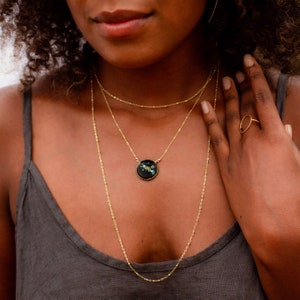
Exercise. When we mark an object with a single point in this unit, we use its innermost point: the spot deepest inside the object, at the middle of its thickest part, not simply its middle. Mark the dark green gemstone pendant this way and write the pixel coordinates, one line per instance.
(147, 169)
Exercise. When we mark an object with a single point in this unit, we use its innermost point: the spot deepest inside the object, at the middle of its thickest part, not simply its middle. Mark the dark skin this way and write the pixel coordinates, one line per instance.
(260, 157)
(64, 141)
(274, 242)
(150, 243)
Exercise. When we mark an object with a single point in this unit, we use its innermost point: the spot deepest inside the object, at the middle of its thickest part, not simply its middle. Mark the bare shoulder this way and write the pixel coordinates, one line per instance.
(292, 107)
(10, 99)
(10, 130)
(10, 159)
(11, 166)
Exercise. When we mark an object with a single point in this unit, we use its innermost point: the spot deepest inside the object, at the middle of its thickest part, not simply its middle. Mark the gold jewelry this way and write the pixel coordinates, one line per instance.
(147, 106)
(116, 227)
(147, 169)
(213, 12)
(245, 126)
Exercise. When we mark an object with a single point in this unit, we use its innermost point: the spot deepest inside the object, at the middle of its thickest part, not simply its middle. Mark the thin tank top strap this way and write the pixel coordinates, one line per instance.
(281, 93)
(27, 125)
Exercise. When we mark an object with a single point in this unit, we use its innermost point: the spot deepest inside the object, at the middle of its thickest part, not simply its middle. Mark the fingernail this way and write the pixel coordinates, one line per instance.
(205, 108)
(248, 60)
(240, 77)
(289, 129)
(226, 83)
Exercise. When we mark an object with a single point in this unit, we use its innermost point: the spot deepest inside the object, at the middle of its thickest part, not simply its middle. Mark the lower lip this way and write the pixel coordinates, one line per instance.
(121, 29)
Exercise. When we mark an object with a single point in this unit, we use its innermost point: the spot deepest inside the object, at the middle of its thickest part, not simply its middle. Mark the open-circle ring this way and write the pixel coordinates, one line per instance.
(246, 123)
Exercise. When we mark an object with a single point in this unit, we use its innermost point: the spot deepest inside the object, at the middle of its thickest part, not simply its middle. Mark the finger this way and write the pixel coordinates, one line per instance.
(232, 110)
(218, 138)
(247, 106)
(247, 102)
(264, 101)
(289, 130)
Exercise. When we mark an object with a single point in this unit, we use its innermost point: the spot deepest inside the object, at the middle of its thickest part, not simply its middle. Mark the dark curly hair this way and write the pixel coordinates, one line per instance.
(269, 29)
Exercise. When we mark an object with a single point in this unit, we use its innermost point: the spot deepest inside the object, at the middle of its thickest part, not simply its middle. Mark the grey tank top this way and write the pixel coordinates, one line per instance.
(54, 262)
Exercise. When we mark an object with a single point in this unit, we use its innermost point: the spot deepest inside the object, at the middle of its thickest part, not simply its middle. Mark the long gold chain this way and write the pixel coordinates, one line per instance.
(105, 91)
(148, 169)
(108, 199)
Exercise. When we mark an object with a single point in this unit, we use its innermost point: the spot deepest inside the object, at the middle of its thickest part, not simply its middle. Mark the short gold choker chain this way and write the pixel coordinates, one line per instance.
(108, 199)
(147, 169)
(105, 91)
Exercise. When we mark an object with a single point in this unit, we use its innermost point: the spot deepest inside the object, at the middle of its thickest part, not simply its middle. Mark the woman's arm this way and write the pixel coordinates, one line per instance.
(11, 157)
(260, 169)
(7, 247)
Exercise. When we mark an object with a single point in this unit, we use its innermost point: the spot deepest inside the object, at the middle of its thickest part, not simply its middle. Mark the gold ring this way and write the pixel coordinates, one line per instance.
(246, 122)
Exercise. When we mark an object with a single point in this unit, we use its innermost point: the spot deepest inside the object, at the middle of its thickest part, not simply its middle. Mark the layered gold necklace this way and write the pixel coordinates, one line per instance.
(108, 198)
(105, 91)
(147, 169)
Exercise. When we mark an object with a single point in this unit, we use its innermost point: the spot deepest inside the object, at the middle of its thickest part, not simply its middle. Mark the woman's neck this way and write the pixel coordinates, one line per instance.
(173, 78)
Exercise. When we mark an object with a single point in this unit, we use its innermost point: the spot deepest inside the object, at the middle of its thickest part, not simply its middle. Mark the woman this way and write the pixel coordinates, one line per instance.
(118, 194)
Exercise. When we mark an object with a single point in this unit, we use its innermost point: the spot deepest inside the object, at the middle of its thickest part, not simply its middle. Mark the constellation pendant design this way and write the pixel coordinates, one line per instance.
(147, 169)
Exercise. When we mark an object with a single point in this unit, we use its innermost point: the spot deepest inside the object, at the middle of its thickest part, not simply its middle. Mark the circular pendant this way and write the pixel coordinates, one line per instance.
(147, 169)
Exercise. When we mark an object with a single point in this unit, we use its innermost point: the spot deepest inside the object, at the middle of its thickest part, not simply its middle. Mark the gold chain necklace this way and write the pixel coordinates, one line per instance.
(147, 106)
(147, 169)
(108, 199)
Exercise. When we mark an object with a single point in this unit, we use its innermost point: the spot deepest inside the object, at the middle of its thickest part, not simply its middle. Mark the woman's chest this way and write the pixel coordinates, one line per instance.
(109, 205)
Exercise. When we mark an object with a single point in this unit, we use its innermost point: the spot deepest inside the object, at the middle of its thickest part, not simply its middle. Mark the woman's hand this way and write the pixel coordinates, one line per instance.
(260, 168)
